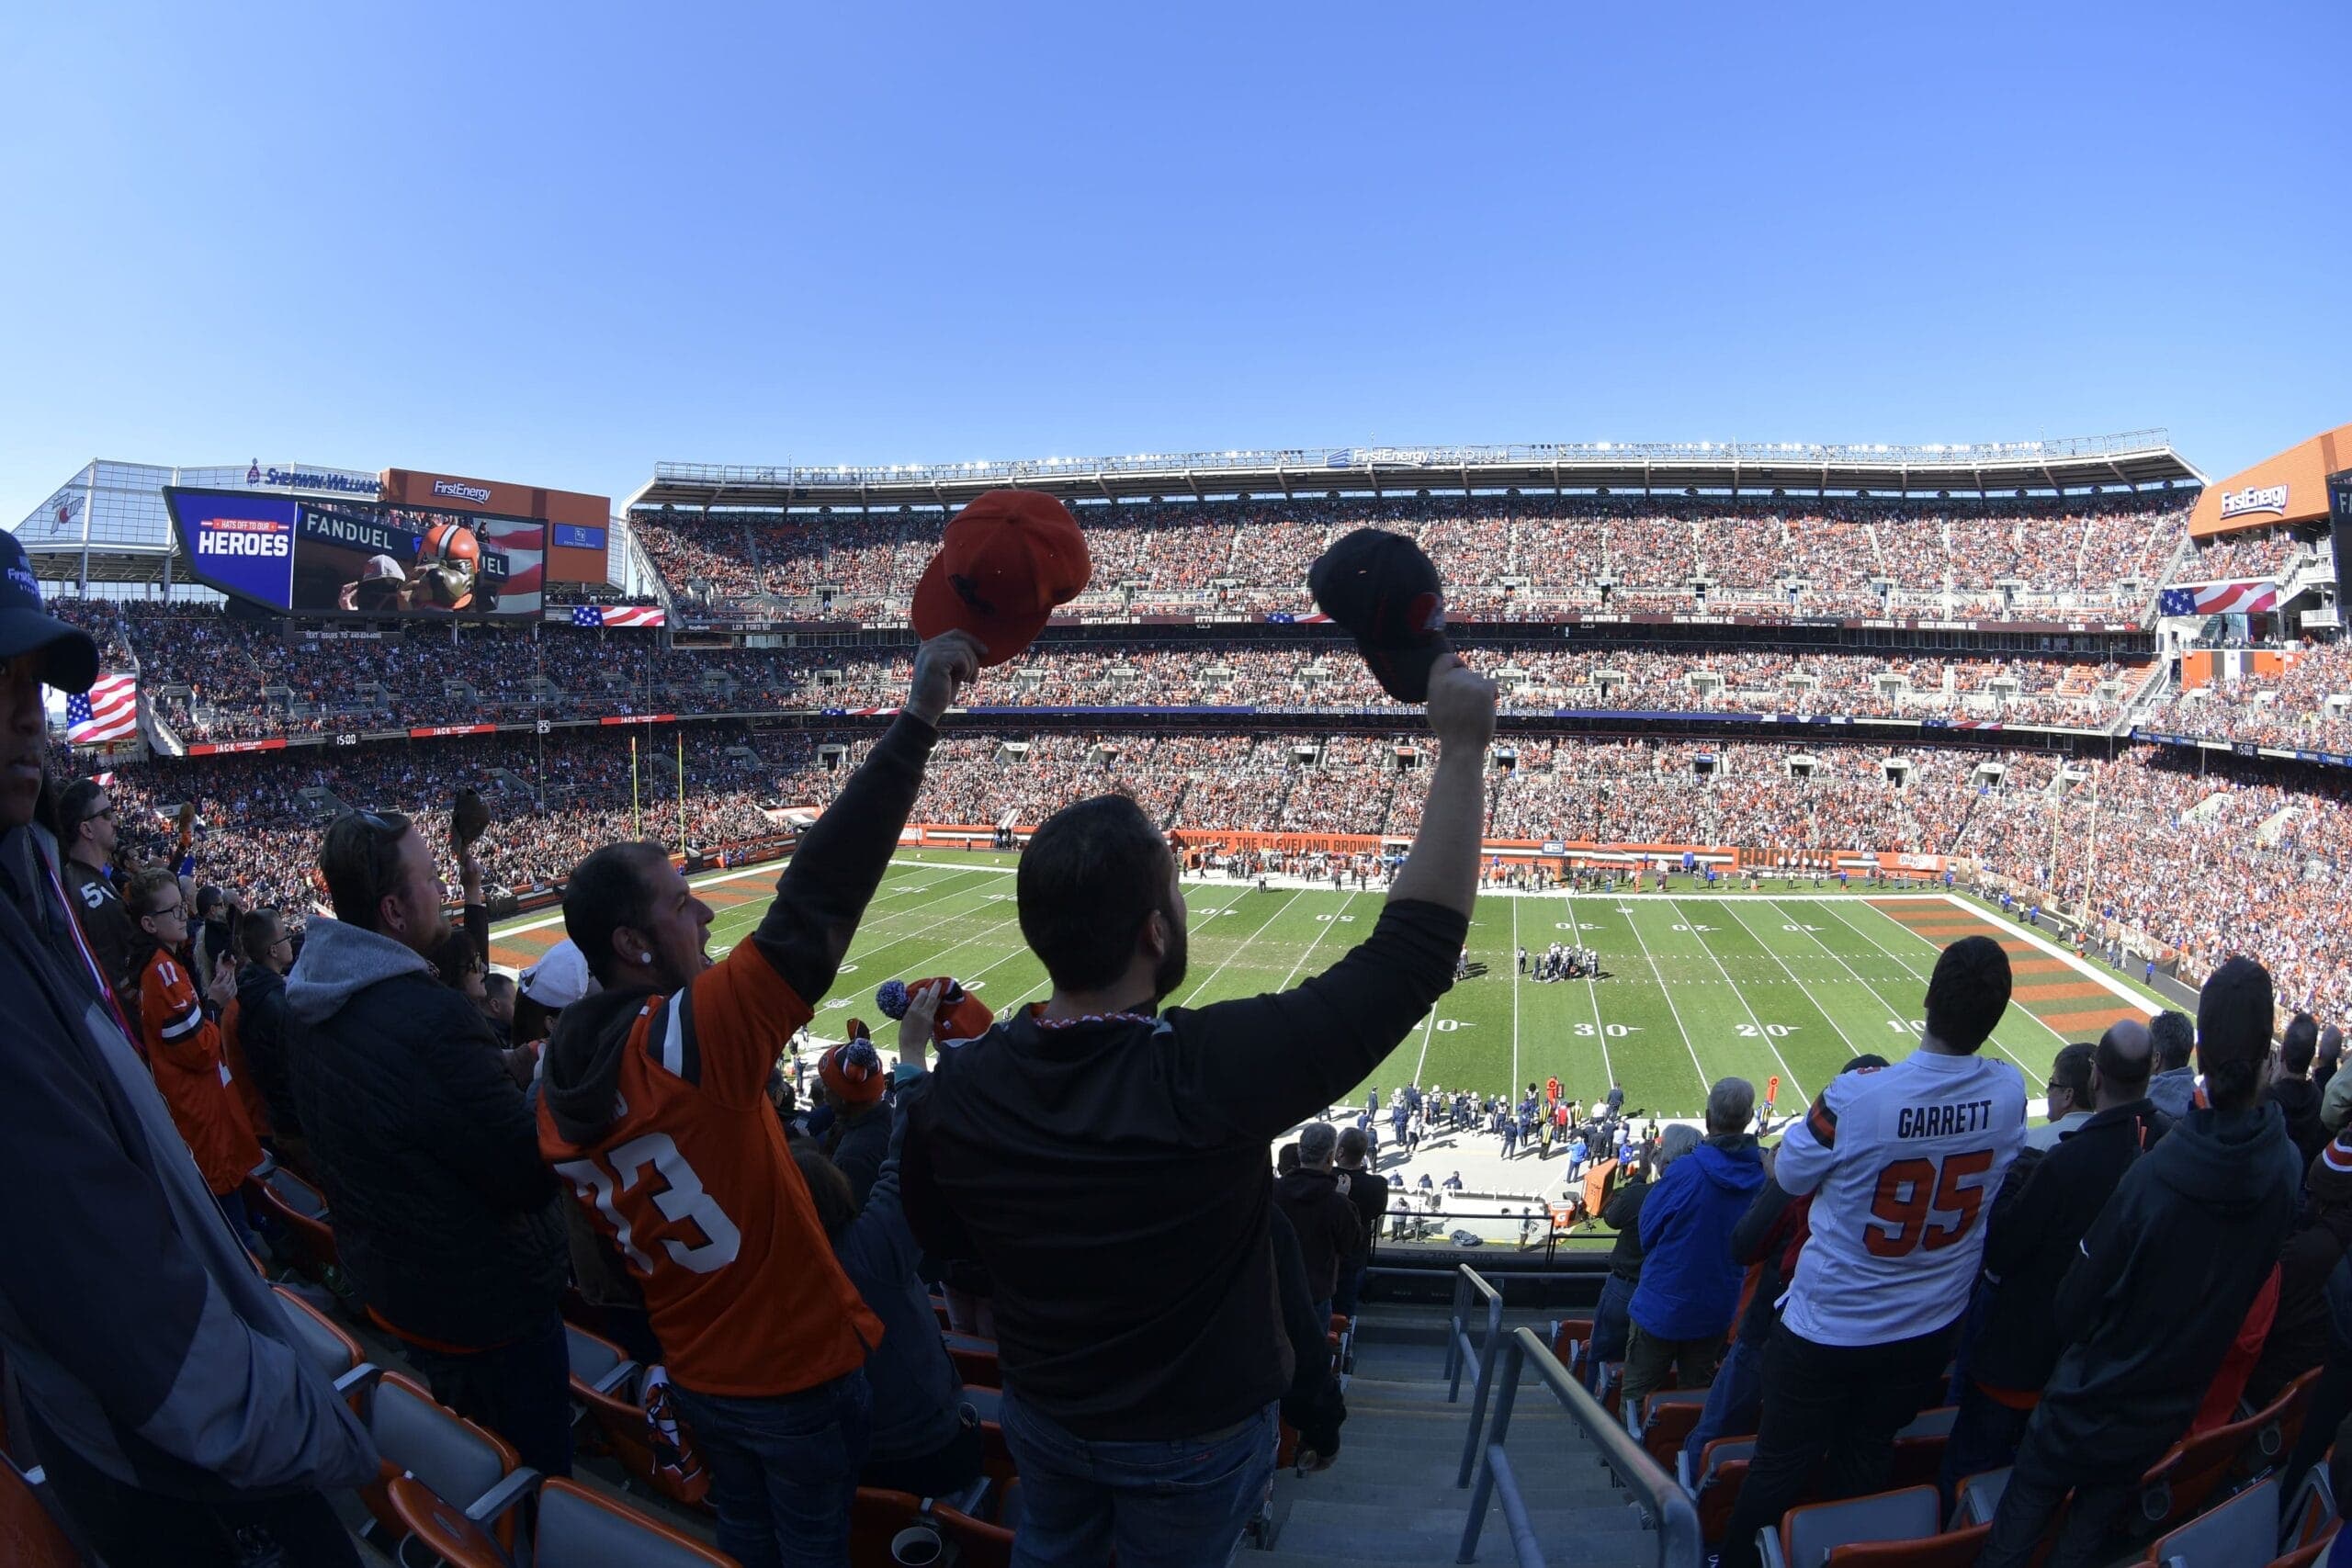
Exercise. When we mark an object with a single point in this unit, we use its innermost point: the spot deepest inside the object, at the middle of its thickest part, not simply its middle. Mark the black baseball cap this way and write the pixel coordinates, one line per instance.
(70, 658)
(1382, 590)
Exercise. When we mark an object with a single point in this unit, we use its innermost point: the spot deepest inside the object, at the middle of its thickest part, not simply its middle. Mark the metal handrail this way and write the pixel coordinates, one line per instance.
(1664, 1507)
(1458, 1352)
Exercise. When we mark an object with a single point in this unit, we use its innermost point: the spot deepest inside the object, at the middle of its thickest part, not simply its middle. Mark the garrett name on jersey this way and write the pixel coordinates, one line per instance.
(1943, 1121)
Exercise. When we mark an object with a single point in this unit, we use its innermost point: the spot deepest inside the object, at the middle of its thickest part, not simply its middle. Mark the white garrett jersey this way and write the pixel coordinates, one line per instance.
(1902, 1161)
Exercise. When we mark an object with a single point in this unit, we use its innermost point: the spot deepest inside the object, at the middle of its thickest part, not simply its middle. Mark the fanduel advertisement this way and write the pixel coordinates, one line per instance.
(240, 544)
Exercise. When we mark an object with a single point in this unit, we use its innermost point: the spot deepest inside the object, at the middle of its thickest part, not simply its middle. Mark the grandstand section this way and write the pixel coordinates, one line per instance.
(1836, 655)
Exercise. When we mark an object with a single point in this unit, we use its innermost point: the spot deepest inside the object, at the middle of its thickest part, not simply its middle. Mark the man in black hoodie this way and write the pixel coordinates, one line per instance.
(2164, 1278)
(2035, 1234)
(1324, 1221)
(444, 1216)
(2292, 1092)
(1107, 1163)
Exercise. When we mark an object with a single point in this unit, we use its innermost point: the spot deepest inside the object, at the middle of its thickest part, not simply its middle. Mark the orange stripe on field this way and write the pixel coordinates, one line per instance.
(2065, 991)
(2092, 1022)
(2040, 964)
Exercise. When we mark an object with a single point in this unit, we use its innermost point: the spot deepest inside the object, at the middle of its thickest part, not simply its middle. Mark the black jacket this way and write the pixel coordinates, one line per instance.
(2298, 1341)
(1325, 1221)
(2298, 1100)
(1368, 1191)
(1111, 1174)
(114, 937)
(2166, 1273)
(132, 1324)
(261, 1036)
(2033, 1239)
(445, 1216)
(858, 1143)
(1313, 1404)
(1622, 1213)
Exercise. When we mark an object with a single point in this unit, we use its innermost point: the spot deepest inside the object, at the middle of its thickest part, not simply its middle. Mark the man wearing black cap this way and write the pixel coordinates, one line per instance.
(1902, 1162)
(161, 1388)
(2165, 1275)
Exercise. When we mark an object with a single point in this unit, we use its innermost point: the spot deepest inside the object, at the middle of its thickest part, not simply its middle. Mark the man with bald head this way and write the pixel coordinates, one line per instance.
(2036, 1230)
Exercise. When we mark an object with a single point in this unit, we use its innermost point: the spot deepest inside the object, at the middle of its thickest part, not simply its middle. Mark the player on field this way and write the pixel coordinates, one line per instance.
(1901, 1163)
(655, 1110)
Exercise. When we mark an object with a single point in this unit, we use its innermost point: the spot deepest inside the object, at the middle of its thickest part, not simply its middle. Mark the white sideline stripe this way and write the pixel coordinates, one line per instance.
(2082, 967)
(712, 879)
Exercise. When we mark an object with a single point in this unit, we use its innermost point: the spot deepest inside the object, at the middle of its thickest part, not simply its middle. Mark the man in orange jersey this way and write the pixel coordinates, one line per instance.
(182, 1042)
(655, 1108)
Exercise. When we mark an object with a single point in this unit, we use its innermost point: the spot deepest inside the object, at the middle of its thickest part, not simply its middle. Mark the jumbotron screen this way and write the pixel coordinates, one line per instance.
(322, 556)
(430, 545)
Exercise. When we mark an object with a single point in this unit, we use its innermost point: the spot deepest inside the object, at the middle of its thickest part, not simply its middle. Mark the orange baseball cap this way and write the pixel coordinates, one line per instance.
(1005, 562)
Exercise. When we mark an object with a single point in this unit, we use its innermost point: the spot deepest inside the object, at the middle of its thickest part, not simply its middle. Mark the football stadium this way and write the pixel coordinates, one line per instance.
(741, 876)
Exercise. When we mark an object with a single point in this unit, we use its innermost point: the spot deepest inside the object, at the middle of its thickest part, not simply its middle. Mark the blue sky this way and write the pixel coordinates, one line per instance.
(554, 245)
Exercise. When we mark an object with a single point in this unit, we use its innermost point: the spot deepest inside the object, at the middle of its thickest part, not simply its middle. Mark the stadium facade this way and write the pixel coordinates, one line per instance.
(2134, 460)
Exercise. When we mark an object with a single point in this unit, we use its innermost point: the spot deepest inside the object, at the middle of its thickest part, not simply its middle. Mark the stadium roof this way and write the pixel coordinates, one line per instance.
(2130, 460)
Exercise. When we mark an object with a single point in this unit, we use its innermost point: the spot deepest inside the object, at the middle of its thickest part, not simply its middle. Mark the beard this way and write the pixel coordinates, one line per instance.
(1169, 972)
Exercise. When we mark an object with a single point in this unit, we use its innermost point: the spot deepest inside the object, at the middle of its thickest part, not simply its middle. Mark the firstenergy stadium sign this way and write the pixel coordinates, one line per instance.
(2254, 500)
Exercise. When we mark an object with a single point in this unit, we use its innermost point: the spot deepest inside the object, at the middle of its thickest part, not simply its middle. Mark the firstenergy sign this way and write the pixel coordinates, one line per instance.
(2253, 500)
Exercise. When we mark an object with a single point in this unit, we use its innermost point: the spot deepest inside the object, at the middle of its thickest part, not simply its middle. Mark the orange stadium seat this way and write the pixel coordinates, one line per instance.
(301, 1209)
(2242, 1528)
(572, 1525)
(2178, 1484)
(1808, 1533)
(333, 1351)
(450, 1456)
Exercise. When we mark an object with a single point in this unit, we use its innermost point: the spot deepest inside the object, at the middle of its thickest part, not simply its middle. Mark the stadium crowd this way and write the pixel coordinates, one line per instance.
(213, 678)
(2291, 708)
(1501, 555)
(2185, 859)
(767, 1296)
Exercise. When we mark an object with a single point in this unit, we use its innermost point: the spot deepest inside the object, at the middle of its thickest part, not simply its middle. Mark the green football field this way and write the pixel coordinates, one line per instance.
(1785, 984)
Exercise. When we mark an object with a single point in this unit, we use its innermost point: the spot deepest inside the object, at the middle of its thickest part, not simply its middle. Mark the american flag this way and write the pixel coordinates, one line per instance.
(2244, 598)
(107, 711)
(596, 615)
(1286, 618)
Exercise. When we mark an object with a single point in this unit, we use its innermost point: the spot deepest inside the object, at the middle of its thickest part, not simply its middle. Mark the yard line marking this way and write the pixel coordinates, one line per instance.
(1515, 993)
(1592, 990)
(1851, 1049)
(1871, 987)
(1672, 1011)
(1242, 945)
(1761, 1032)
(1327, 927)
(1913, 970)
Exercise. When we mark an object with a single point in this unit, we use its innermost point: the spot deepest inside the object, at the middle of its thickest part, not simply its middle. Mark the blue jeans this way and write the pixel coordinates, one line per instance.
(1612, 1325)
(1164, 1504)
(1735, 1400)
(784, 1470)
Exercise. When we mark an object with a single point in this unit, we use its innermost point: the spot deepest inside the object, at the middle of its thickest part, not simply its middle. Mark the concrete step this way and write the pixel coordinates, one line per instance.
(1587, 1536)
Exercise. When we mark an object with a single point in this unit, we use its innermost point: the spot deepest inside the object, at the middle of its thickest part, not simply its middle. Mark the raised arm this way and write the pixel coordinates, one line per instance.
(1271, 1061)
(832, 875)
(1442, 867)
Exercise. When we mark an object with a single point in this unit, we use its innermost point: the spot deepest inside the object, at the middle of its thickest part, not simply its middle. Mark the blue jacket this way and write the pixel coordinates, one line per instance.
(1690, 1286)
